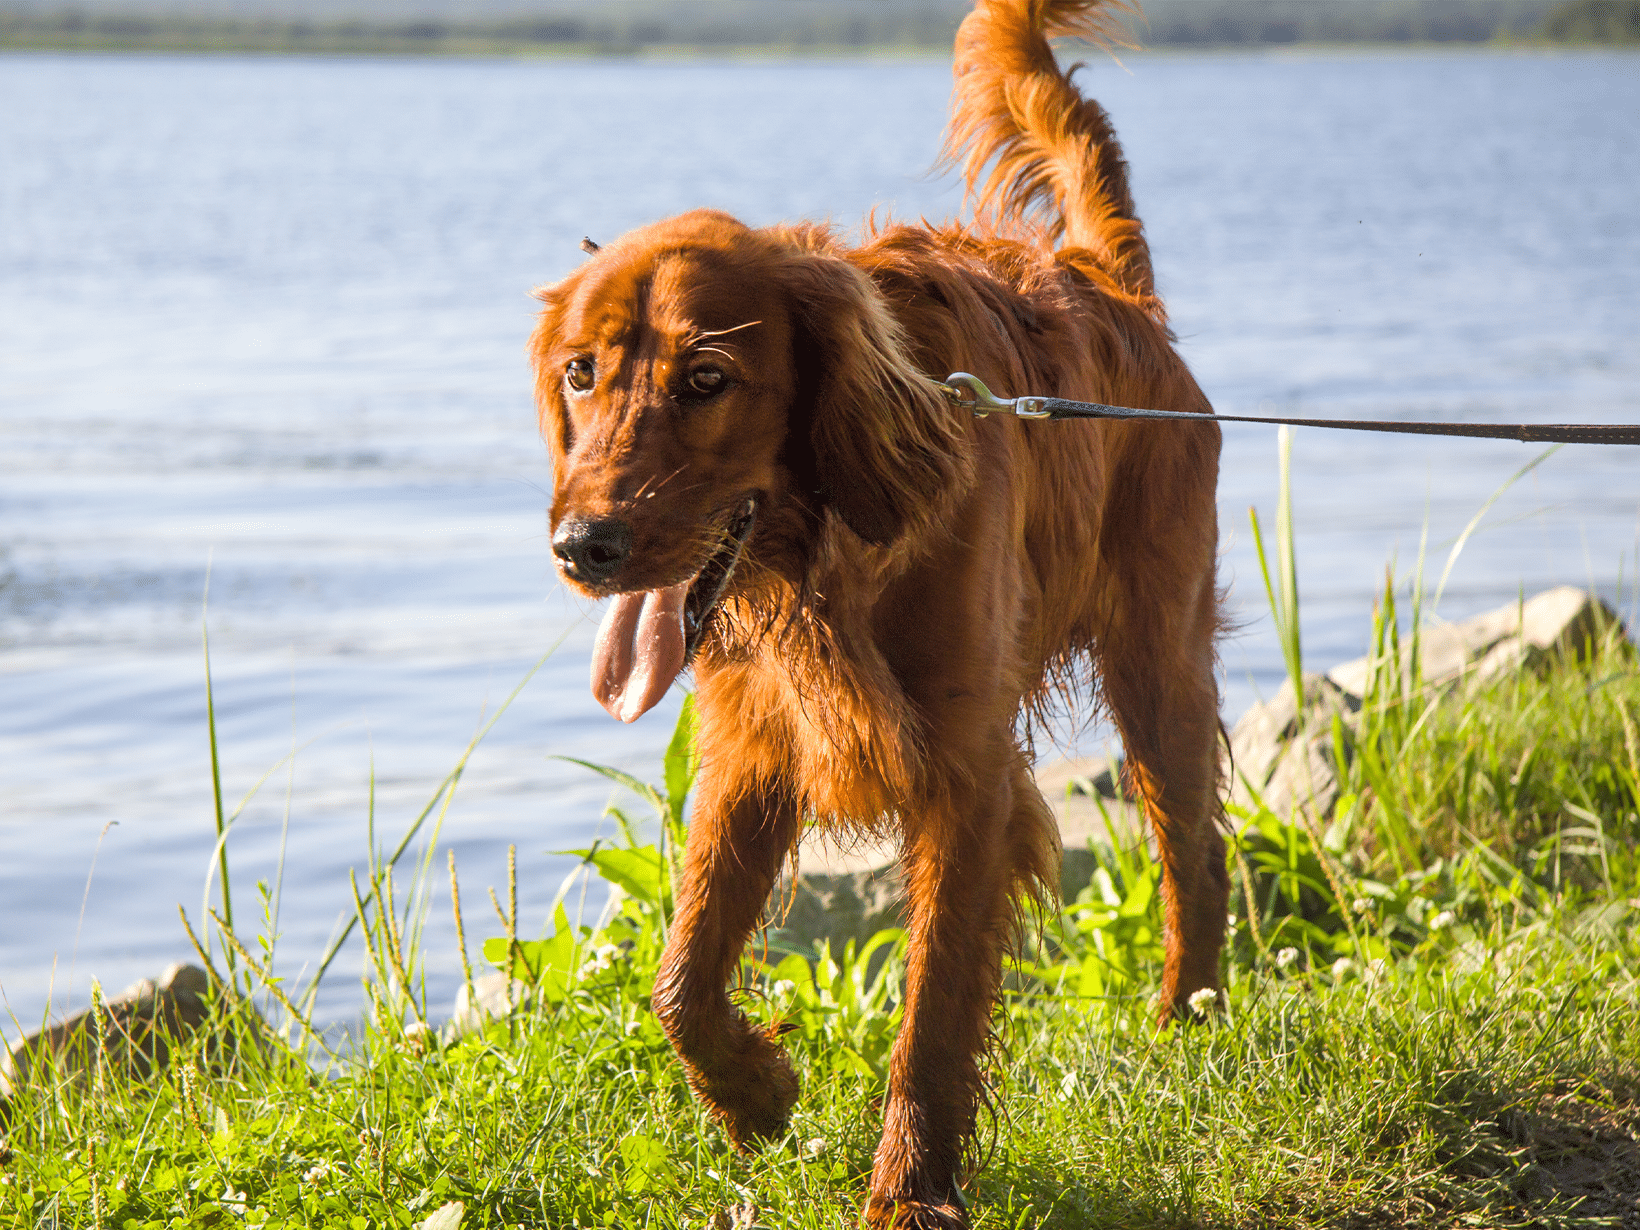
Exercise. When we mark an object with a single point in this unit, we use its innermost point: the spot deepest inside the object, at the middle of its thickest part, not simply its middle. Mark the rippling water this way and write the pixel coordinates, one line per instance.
(262, 320)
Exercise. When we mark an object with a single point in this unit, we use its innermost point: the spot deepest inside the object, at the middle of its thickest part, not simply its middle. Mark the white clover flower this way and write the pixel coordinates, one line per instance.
(1200, 1001)
(603, 957)
(814, 1147)
(1361, 905)
(418, 1038)
(784, 987)
(1375, 972)
(318, 1174)
(1444, 919)
(632, 1027)
(1342, 969)
(1286, 957)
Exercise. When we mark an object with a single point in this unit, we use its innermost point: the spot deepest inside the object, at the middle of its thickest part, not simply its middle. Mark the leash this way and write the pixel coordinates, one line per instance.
(969, 392)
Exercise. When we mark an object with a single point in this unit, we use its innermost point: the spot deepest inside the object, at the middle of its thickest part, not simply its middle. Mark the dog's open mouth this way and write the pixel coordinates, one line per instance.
(648, 638)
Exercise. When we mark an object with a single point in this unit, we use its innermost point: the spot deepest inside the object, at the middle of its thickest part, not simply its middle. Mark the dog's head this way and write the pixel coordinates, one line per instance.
(698, 380)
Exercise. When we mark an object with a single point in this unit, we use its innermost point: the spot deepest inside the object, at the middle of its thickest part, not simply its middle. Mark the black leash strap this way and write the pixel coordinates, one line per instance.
(970, 392)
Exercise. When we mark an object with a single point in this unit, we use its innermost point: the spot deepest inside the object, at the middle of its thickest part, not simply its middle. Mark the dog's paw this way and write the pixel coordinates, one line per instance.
(751, 1093)
(882, 1213)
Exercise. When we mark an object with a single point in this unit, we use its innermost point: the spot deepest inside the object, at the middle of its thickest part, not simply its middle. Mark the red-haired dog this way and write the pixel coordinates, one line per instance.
(876, 589)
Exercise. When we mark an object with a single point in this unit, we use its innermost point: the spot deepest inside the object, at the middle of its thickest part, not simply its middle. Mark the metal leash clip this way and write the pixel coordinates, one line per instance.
(970, 393)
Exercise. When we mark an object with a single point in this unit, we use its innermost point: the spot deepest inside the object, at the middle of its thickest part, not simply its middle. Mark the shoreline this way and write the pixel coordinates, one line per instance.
(685, 52)
(118, 34)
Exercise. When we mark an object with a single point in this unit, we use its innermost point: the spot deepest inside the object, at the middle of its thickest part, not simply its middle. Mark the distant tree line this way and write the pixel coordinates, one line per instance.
(1594, 21)
(1229, 23)
(584, 26)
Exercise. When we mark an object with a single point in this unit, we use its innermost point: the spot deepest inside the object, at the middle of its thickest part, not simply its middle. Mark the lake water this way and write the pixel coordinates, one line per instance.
(263, 320)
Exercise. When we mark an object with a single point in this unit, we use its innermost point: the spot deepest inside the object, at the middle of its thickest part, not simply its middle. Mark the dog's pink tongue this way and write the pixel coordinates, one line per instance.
(639, 651)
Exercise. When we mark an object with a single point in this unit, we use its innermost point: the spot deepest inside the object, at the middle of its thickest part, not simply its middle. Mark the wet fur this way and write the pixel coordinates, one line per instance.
(920, 583)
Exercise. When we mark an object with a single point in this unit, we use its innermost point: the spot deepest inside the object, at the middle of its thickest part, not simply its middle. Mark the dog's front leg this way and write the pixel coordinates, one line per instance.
(957, 878)
(738, 838)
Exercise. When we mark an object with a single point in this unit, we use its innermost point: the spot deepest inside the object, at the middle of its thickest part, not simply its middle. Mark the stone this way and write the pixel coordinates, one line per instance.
(1087, 777)
(851, 890)
(1088, 801)
(1304, 778)
(1284, 754)
(1520, 634)
(491, 997)
(838, 908)
(840, 892)
(1269, 762)
(142, 1024)
(1281, 753)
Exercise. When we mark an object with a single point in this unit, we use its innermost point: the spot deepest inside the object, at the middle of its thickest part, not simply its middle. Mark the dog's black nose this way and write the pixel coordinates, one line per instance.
(592, 549)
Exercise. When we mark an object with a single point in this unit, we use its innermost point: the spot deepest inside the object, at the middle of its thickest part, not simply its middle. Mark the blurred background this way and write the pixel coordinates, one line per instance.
(262, 324)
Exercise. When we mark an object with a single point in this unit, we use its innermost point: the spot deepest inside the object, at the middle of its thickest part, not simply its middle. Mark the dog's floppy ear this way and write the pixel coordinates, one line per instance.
(887, 447)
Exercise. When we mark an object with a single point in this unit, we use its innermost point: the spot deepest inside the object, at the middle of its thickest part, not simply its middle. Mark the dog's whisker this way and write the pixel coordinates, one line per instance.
(701, 337)
(669, 478)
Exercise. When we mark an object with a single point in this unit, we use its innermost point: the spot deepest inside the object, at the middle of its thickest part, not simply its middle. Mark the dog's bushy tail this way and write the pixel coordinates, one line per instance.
(1030, 147)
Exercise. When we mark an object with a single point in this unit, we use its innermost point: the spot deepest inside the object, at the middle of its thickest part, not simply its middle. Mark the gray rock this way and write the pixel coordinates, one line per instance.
(851, 891)
(1520, 634)
(1087, 799)
(1089, 777)
(1304, 778)
(493, 997)
(1282, 755)
(141, 1027)
(837, 906)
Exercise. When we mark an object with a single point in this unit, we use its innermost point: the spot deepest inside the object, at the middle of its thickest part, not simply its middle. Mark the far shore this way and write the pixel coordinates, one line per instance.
(105, 31)
(479, 49)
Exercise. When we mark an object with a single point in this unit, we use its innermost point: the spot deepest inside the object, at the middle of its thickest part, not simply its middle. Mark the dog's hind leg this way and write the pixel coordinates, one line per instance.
(1156, 661)
(738, 839)
(1157, 668)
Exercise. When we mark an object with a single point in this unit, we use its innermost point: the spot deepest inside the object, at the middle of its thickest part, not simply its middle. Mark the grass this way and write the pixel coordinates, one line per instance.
(1428, 1020)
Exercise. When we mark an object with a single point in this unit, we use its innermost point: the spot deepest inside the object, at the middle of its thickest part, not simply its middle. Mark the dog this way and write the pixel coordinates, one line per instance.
(882, 595)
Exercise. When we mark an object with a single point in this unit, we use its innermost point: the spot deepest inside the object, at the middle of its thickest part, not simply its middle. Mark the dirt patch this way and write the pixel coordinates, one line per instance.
(1580, 1161)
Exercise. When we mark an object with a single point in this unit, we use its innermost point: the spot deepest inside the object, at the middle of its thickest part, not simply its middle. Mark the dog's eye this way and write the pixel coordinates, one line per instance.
(579, 374)
(707, 382)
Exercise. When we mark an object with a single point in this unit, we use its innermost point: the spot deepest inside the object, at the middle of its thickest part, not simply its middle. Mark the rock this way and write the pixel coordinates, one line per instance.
(142, 1024)
(493, 998)
(854, 906)
(1087, 799)
(1270, 762)
(1520, 634)
(846, 892)
(1304, 778)
(1288, 771)
(1089, 777)
(841, 892)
